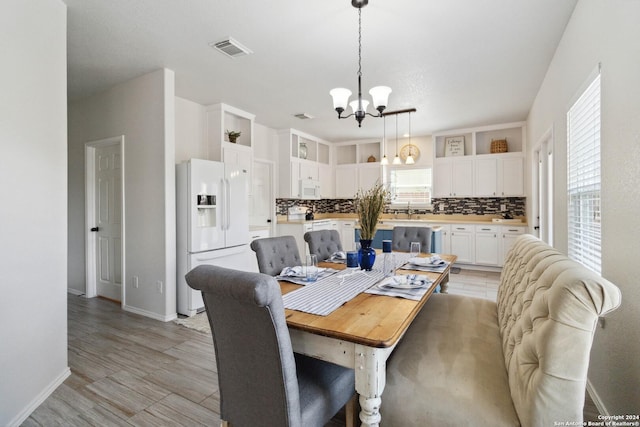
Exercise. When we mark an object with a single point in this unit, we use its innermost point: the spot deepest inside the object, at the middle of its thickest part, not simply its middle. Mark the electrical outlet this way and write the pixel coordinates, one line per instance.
(441, 206)
(159, 286)
(134, 281)
(601, 322)
(336, 207)
(503, 207)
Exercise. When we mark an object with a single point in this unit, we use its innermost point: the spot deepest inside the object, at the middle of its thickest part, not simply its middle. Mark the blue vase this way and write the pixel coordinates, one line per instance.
(366, 255)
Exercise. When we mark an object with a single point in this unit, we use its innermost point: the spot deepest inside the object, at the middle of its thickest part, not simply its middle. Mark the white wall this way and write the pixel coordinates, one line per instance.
(190, 128)
(143, 110)
(424, 144)
(33, 217)
(605, 31)
(265, 143)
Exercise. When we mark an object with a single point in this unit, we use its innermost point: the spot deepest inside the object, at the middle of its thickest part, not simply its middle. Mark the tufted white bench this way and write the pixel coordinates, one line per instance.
(520, 361)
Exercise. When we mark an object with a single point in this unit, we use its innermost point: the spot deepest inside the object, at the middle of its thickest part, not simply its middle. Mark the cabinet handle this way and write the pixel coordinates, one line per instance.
(485, 229)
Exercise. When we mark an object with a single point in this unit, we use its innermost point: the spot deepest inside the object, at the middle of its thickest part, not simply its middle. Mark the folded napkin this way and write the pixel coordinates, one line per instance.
(338, 257)
(433, 261)
(297, 271)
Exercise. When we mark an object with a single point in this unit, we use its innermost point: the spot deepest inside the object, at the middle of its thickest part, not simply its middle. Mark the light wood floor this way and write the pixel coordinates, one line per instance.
(128, 370)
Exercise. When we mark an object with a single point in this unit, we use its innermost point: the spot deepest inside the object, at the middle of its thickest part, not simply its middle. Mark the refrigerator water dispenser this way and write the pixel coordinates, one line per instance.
(206, 210)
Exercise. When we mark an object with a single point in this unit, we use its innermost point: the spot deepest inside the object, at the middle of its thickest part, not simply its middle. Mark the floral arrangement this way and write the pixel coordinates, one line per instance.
(369, 206)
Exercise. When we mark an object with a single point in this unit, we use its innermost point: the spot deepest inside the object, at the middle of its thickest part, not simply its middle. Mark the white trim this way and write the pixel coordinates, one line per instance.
(90, 239)
(274, 172)
(152, 315)
(74, 292)
(596, 399)
(40, 398)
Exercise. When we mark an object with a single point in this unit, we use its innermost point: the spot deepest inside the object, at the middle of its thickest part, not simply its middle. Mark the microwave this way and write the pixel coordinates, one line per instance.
(309, 189)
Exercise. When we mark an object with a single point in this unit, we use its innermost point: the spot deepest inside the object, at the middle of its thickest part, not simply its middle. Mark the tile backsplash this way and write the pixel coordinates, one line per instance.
(516, 206)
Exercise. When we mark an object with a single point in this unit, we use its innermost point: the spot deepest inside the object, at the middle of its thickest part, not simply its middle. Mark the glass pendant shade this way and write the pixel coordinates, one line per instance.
(384, 160)
(410, 160)
(396, 160)
(380, 96)
(340, 97)
(354, 105)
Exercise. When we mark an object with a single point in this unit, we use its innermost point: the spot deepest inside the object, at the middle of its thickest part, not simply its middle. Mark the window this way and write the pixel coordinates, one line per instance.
(410, 186)
(583, 178)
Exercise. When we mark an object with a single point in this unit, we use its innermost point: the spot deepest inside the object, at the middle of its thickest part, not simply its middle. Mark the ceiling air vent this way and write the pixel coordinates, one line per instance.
(303, 116)
(231, 47)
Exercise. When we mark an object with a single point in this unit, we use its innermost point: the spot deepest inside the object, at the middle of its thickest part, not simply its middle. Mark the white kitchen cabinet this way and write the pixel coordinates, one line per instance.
(463, 243)
(221, 118)
(479, 172)
(499, 176)
(453, 177)
(368, 176)
(487, 247)
(512, 176)
(308, 170)
(346, 182)
(445, 233)
(509, 234)
(348, 235)
(301, 156)
(326, 178)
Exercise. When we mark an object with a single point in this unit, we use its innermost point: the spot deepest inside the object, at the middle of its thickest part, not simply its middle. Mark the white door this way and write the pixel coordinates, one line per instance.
(261, 207)
(108, 222)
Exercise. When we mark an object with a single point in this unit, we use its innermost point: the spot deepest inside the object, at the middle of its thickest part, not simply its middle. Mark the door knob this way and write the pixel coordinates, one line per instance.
(95, 228)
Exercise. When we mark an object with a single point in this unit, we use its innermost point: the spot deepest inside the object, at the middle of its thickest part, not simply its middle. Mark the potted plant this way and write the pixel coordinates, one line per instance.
(233, 135)
(369, 207)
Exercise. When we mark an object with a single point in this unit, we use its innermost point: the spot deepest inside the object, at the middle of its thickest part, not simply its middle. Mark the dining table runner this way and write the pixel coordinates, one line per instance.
(326, 295)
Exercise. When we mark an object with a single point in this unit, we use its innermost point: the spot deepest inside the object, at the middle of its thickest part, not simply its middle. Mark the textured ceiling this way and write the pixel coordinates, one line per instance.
(461, 63)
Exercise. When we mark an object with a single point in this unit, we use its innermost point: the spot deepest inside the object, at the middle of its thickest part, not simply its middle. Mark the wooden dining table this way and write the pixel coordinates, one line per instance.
(361, 334)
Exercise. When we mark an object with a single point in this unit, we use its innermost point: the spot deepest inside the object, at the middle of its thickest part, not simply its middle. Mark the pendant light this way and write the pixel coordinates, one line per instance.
(410, 160)
(385, 160)
(396, 159)
(379, 94)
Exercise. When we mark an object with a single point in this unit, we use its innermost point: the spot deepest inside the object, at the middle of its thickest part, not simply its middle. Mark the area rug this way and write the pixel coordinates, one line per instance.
(199, 322)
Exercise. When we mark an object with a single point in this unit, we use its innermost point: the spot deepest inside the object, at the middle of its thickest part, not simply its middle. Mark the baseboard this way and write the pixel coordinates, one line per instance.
(596, 399)
(44, 394)
(150, 314)
(478, 267)
(75, 292)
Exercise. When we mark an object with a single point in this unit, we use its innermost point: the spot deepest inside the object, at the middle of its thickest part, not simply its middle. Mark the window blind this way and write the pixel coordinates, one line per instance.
(583, 178)
(410, 186)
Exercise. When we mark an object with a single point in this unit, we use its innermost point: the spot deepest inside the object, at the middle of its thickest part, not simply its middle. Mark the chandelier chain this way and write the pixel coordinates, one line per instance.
(359, 41)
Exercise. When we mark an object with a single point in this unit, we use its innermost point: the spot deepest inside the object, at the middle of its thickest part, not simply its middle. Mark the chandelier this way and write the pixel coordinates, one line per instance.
(379, 94)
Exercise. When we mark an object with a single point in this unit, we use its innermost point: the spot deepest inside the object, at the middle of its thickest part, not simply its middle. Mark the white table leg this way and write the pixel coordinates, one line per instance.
(371, 375)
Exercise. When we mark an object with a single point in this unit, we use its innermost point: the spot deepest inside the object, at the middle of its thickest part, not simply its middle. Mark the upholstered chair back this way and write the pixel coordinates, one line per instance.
(275, 253)
(323, 243)
(403, 236)
(262, 382)
(548, 309)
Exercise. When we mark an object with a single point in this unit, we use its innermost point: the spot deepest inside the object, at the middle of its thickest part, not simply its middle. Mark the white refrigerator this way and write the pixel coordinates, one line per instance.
(212, 218)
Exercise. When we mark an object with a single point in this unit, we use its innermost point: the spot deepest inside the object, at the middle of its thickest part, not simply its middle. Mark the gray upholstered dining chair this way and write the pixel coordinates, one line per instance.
(262, 382)
(323, 243)
(403, 236)
(275, 253)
